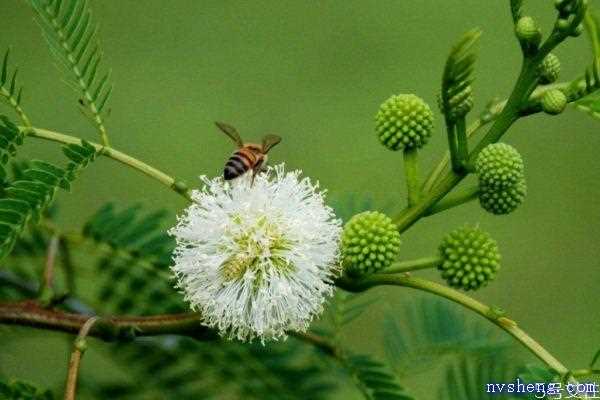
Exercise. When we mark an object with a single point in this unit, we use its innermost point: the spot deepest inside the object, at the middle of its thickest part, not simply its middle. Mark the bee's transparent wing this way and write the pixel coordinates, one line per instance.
(269, 141)
(231, 132)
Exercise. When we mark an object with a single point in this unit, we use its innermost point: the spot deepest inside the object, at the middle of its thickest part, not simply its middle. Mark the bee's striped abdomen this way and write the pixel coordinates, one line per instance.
(240, 162)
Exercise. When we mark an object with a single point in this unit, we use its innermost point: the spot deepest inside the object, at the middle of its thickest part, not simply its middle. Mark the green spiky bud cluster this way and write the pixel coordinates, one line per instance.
(570, 14)
(528, 31)
(470, 258)
(503, 201)
(499, 166)
(549, 69)
(554, 101)
(404, 121)
(502, 185)
(370, 242)
(460, 104)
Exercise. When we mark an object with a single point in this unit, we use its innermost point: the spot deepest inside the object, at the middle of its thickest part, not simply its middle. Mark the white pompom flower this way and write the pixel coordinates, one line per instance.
(257, 260)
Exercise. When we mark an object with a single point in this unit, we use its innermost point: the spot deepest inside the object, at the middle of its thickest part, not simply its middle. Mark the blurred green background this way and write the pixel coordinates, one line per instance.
(315, 73)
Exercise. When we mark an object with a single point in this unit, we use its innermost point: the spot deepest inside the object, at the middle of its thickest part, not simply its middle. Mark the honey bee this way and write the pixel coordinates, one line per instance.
(248, 156)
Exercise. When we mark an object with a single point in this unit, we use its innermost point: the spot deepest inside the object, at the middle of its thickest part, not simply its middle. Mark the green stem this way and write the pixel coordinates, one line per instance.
(76, 238)
(455, 200)
(15, 105)
(480, 122)
(523, 88)
(411, 215)
(177, 186)
(464, 300)
(585, 372)
(411, 170)
(462, 146)
(413, 265)
(592, 30)
(471, 130)
(453, 145)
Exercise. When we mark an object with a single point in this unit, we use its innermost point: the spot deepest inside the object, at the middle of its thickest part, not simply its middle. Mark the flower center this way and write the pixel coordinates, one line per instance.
(259, 248)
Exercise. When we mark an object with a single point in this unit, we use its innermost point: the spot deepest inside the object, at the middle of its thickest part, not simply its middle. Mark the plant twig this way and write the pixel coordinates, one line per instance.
(79, 347)
(319, 342)
(592, 31)
(411, 171)
(32, 314)
(455, 200)
(440, 290)
(69, 268)
(47, 287)
(122, 328)
(413, 265)
(175, 185)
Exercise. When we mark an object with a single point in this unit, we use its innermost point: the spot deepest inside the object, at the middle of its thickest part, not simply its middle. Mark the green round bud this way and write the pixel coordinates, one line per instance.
(470, 258)
(527, 30)
(549, 69)
(499, 166)
(370, 242)
(460, 104)
(554, 102)
(577, 31)
(502, 201)
(562, 24)
(404, 121)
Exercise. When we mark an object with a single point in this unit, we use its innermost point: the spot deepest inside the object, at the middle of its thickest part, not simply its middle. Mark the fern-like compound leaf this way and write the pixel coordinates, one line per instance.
(133, 271)
(10, 90)
(586, 91)
(71, 34)
(26, 198)
(374, 379)
(10, 138)
(18, 390)
(181, 368)
(469, 378)
(430, 328)
(458, 71)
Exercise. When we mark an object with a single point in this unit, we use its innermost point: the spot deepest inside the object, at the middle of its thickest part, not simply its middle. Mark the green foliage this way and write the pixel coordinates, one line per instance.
(71, 34)
(590, 104)
(374, 379)
(181, 368)
(428, 329)
(516, 9)
(458, 75)
(10, 91)
(10, 138)
(27, 198)
(595, 359)
(534, 373)
(587, 91)
(17, 390)
(133, 271)
(343, 309)
(468, 378)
